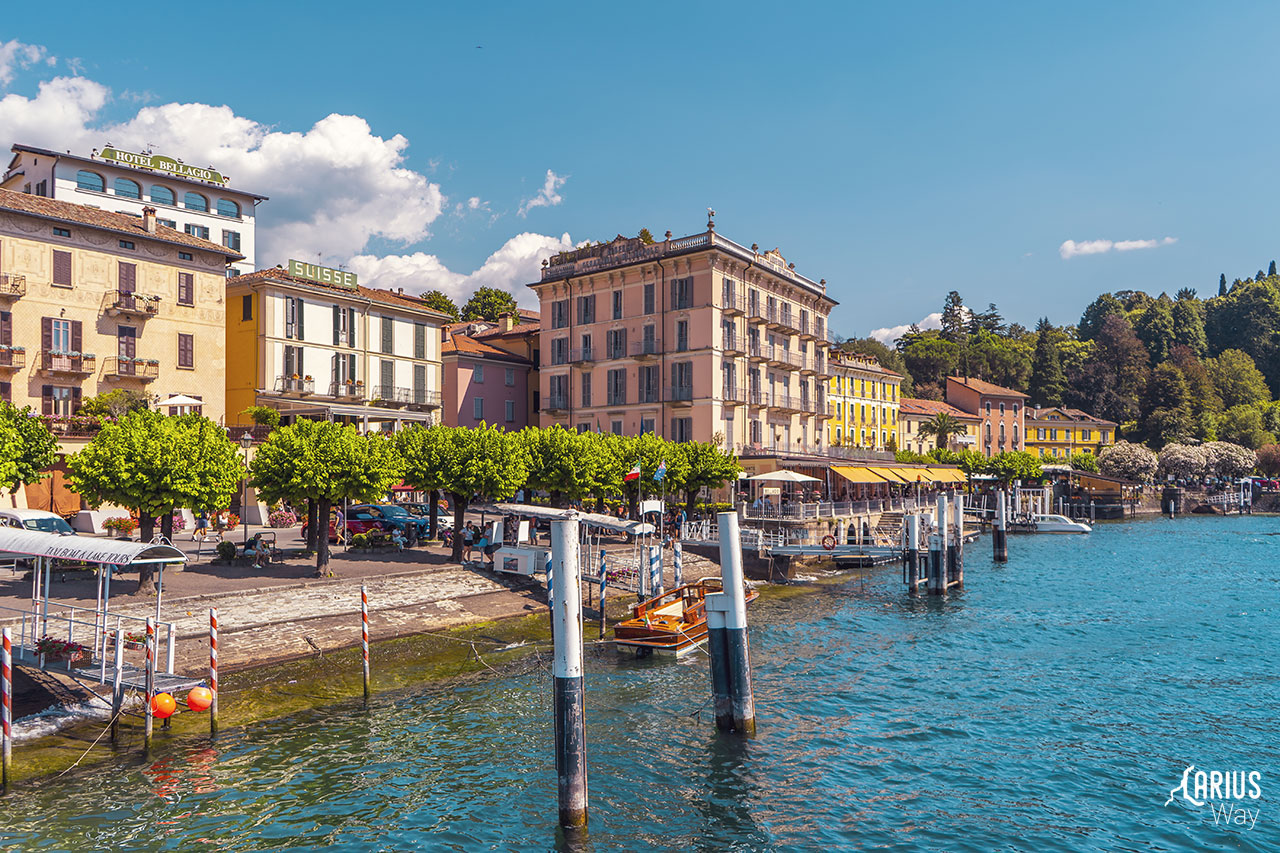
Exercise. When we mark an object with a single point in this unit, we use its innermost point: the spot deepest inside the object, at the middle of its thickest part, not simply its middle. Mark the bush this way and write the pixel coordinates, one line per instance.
(360, 540)
(121, 526)
(282, 518)
(263, 416)
(226, 551)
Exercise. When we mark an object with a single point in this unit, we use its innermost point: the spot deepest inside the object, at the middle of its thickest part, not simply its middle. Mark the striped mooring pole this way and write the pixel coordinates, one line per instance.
(150, 682)
(117, 688)
(570, 698)
(213, 669)
(6, 711)
(735, 704)
(999, 529)
(364, 637)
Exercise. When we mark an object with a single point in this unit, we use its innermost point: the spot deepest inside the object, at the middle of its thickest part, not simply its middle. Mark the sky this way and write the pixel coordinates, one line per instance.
(1031, 155)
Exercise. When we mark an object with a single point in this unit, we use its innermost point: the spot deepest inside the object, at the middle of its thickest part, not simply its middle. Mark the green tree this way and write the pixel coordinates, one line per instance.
(325, 462)
(263, 416)
(115, 404)
(1014, 465)
(485, 462)
(1269, 459)
(1167, 407)
(1237, 379)
(153, 464)
(487, 303)
(422, 450)
(1206, 405)
(1188, 325)
(649, 451)
(987, 321)
(27, 447)
(1248, 319)
(1243, 425)
(930, 358)
(646, 237)
(955, 322)
(1128, 462)
(1110, 383)
(1048, 381)
(941, 427)
(438, 300)
(709, 467)
(1097, 312)
(887, 357)
(1155, 328)
(1084, 462)
(561, 463)
(1222, 284)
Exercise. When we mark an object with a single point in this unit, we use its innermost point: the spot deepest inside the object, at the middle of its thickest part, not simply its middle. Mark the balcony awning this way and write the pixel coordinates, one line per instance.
(89, 549)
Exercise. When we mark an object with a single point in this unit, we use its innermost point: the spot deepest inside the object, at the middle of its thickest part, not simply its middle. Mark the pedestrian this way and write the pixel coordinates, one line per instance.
(201, 528)
(468, 542)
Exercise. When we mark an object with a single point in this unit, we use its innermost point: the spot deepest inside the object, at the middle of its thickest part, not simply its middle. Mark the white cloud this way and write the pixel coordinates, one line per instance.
(547, 196)
(15, 55)
(517, 263)
(1070, 248)
(891, 333)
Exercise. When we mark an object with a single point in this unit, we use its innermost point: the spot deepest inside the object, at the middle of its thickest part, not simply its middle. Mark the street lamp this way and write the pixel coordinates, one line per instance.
(245, 441)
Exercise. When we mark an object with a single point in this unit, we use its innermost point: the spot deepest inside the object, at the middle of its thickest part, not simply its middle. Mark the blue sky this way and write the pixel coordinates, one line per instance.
(897, 150)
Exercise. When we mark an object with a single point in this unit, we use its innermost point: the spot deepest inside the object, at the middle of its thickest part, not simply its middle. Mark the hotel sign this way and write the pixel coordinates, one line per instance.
(160, 163)
(322, 275)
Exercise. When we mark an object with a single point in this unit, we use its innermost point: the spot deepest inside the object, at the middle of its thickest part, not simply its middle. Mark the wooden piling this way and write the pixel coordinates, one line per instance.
(213, 670)
(150, 682)
(1000, 529)
(727, 644)
(570, 699)
(6, 710)
(364, 639)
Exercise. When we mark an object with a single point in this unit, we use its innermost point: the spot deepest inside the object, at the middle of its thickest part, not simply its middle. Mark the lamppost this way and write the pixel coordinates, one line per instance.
(245, 441)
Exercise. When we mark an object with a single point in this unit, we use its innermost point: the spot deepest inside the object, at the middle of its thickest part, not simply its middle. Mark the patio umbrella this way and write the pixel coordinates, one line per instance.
(785, 477)
(181, 400)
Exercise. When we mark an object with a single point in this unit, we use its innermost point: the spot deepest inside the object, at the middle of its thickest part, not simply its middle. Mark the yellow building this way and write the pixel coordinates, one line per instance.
(913, 413)
(1056, 432)
(92, 301)
(862, 398)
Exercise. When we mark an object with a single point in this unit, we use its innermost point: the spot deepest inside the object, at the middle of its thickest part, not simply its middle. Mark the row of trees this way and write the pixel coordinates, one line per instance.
(1005, 467)
(1215, 459)
(485, 304)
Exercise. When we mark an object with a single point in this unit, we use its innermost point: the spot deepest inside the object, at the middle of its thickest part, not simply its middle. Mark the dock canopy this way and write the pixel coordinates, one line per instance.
(88, 549)
(594, 519)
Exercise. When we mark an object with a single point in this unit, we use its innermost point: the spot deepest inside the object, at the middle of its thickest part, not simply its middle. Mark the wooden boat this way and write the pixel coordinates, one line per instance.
(674, 622)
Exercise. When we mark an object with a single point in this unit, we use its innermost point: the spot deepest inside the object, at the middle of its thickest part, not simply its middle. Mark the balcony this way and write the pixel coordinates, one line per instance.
(734, 345)
(421, 398)
(617, 350)
(647, 349)
(775, 355)
(347, 391)
(582, 357)
(68, 363)
(124, 303)
(12, 358)
(680, 395)
(294, 386)
(785, 401)
(12, 286)
(734, 396)
(787, 322)
(389, 395)
(125, 367)
(556, 404)
(758, 398)
(807, 330)
(733, 305)
(756, 352)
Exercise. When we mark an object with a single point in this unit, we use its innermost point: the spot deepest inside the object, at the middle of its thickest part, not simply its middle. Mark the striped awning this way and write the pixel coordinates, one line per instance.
(891, 475)
(860, 475)
(948, 475)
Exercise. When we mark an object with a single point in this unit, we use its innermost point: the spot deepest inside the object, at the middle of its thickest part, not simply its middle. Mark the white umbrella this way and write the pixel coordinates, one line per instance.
(181, 400)
(785, 477)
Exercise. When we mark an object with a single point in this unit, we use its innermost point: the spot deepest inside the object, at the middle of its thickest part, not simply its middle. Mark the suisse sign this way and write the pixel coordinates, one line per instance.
(322, 275)
(161, 163)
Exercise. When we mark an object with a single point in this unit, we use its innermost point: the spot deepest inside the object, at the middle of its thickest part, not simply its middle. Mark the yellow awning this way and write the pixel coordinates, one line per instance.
(915, 475)
(891, 475)
(951, 475)
(864, 476)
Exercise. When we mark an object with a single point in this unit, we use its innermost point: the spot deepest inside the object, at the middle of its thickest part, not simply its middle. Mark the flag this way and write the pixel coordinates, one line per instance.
(634, 473)
(661, 472)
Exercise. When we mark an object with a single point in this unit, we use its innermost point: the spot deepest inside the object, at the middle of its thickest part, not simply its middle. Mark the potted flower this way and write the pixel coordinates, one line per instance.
(121, 525)
(135, 640)
(282, 518)
(52, 648)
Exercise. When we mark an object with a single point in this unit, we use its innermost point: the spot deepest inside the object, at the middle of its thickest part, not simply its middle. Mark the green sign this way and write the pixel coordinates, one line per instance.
(323, 275)
(161, 163)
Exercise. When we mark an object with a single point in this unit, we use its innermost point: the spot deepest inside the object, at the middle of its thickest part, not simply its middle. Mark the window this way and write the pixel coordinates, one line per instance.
(616, 341)
(510, 411)
(682, 380)
(419, 340)
(293, 316)
(162, 195)
(231, 239)
(988, 407)
(682, 429)
(560, 314)
(60, 340)
(126, 244)
(1086, 435)
(61, 232)
(201, 231)
(420, 384)
(61, 268)
(648, 298)
(682, 335)
(344, 326)
(186, 350)
(586, 353)
(42, 188)
(681, 293)
(586, 309)
(195, 201)
(586, 389)
(388, 335)
(477, 408)
(1002, 408)
(246, 307)
(186, 288)
(292, 361)
(1053, 435)
(646, 425)
(650, 339)
(558, 392)
(510, 378)
(184, 256)
(59, 402)
(477, 374)
(727, 293)
(227, 207)
(584, 428)
(617, 305)
(649, 383)
(1040, 433)
(559, 350)
(617, 390)
(1015, 410)
(91, 181)
(169, 223)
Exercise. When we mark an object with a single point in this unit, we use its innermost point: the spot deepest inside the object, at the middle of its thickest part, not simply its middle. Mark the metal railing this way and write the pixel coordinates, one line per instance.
(679, 394)
(12, 285)
(582, 354)
(124, 367)
(65, 362)
(294, 385)
(424, 398)
(346, 390)
(733, 343)
(96, 636)
(390, 395)
(13, 357)
(132, 303)
(556, 404)
(646, 347)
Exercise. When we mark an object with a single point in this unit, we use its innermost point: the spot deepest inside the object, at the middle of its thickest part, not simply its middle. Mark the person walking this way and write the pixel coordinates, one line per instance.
(201, 528)
(468, 542)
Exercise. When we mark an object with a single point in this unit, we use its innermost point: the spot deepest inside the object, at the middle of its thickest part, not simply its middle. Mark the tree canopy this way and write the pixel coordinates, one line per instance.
(27, 447)
(438, 300)
(487, 303)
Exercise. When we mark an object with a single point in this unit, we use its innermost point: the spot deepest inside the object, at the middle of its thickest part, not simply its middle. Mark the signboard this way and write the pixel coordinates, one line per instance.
(322, 275)
(160, 163)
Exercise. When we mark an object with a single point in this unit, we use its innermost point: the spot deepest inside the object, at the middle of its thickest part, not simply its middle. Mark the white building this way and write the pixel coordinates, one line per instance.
(311, 342)
(186, 198)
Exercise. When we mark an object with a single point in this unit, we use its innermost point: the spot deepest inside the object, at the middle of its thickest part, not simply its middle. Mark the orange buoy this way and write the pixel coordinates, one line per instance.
(200, 698)
(162, 705)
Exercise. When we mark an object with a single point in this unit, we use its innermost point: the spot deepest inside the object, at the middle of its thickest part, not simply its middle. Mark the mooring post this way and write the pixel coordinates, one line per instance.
(213, 670)
(150, 683)
(727, 646)
(913, 552)
(946, 556)
(937, 564)
(1000, 530)
(117, 689)
(604, 584)
(570, 704)
(1092, 511)
(957, 550)
(364, 639)
(6, 710)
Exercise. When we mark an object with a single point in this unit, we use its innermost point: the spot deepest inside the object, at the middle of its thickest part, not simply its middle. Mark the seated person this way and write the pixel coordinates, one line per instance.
(258, 550)
(397, 538)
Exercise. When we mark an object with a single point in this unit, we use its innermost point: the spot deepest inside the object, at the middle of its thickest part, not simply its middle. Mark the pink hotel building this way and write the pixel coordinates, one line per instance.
(696, 338)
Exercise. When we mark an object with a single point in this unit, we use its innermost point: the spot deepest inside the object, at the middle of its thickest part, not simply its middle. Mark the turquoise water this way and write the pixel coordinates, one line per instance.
(1050, 706)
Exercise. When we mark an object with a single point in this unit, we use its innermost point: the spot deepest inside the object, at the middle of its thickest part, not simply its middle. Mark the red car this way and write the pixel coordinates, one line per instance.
(341, 530)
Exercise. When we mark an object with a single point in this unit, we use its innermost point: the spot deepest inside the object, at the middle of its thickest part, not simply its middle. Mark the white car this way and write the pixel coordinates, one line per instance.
(34, 519)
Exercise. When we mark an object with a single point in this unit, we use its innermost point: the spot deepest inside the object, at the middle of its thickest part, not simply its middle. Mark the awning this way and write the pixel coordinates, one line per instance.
(592, 519)
(784, 477)
(948, 475)
(89, 549)
(863, 476)
(891, 475)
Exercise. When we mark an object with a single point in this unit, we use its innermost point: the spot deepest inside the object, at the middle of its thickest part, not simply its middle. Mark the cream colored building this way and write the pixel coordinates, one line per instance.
(92, 301)
(913, 413)
(863, 400)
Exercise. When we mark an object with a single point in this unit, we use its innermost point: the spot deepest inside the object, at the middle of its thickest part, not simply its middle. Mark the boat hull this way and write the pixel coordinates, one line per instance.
(672, 623)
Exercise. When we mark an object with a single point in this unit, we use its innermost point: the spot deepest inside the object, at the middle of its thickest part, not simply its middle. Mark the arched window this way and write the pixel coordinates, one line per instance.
(162, 195)
(127, 188)
(227, 207)
(90, 181)
(195, 201)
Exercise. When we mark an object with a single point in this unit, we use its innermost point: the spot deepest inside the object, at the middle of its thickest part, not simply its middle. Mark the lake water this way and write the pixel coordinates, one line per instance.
(1050, 706)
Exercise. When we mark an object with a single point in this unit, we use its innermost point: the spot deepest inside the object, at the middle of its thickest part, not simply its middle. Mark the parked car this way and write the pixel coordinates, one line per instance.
(388, 516)
(339, 530)
(423, 510)
(35, 519)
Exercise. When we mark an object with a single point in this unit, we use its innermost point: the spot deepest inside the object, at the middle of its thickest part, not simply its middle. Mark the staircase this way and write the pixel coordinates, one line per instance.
(888, 529)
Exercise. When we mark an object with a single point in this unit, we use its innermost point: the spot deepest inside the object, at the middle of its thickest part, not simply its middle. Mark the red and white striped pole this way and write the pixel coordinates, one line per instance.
(150, 681)
(364, 636)
(6, 704)
(213, 669)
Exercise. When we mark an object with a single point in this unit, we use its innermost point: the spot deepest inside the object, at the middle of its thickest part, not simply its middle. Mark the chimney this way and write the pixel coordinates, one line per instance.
(149, 220)
(444, 334)
(506, 321)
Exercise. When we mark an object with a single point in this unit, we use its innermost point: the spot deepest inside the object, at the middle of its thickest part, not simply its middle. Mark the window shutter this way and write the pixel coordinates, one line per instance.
(61, 267)
(46, 333)
(351, 331)
(75, 400)
(336, 378)
(351, 367)
(6, 328)
(6, 392)
(290, 313)
(128, 277)
(337, 324)
(297, 318)
(46, 399)
(77, 339)
(186, 288)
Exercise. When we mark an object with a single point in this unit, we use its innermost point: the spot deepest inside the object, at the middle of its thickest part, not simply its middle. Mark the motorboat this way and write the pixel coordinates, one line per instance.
(674, 622)
(1048, 523)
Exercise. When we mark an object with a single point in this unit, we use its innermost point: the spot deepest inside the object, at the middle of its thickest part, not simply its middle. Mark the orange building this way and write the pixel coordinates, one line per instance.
(1002, 411)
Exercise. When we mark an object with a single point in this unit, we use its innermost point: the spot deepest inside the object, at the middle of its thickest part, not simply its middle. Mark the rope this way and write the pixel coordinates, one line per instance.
(105, 729)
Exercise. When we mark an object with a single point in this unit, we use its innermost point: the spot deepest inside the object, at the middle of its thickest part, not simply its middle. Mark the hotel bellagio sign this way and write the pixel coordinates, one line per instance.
(322, 275)
(160, 163)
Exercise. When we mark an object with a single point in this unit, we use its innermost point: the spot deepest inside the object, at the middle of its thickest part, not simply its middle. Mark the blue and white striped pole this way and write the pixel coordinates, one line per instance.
(677, 560)
(550, 592)
(655, 570)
